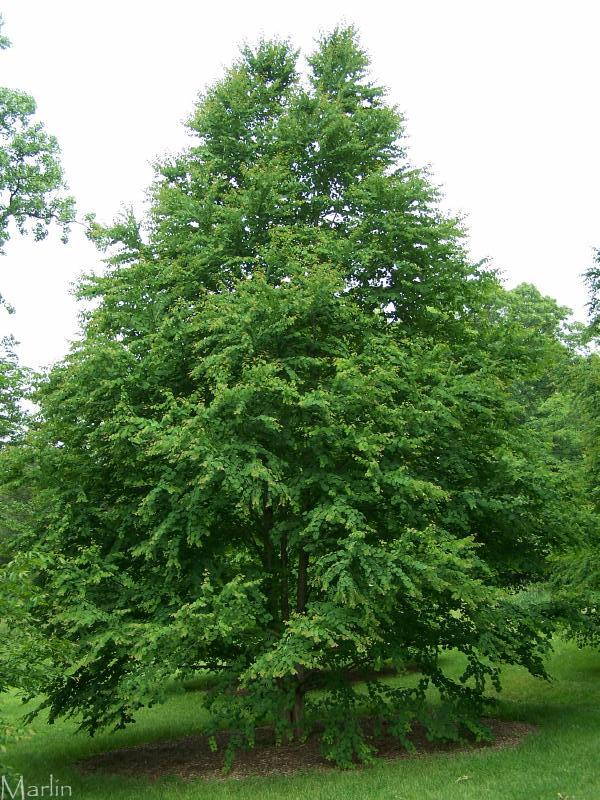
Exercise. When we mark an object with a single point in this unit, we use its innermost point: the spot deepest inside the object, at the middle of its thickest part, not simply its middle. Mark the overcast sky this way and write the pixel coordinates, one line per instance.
(500, 98)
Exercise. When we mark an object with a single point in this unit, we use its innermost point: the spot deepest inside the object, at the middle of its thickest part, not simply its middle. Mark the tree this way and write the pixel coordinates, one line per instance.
(31, 177)
(13, 380)
(19, 662)
(32, 197)
(293, 439)
(532, 500)
(575, 576)
(575, 579)
(592, 279)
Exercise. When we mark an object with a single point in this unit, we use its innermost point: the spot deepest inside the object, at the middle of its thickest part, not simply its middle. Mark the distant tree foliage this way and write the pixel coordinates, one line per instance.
(592, 279)
(32, 197)
(302, 433)
(32, 187)
(13, 382)
(575, 573)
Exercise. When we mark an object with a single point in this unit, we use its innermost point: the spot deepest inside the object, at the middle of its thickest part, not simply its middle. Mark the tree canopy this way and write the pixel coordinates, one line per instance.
(302, 432)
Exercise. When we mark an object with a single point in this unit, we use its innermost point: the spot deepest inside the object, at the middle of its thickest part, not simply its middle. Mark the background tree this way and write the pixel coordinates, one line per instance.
(592, 279)
(32, 197)
(300, 434)
(31, 177)
(534, 500)
(575, 579)
(13, 383)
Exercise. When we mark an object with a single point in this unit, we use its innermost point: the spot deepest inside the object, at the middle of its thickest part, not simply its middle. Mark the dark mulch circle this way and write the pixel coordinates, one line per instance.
(191, 757)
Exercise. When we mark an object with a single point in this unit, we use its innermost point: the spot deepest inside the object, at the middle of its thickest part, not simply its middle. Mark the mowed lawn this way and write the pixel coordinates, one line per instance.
(561, 760)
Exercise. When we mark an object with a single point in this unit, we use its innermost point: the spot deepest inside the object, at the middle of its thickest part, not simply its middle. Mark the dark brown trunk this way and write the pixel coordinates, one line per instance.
(285, 589)
(269, 563)
(297, 714)
(301, 595)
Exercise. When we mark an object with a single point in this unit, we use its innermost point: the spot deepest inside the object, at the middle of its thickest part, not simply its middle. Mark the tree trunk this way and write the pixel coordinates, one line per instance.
(297, 714)
(301, 595)
(269, 564)
(285, 598)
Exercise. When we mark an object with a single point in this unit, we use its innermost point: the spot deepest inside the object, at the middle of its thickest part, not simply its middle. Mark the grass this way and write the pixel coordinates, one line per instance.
(559, 761)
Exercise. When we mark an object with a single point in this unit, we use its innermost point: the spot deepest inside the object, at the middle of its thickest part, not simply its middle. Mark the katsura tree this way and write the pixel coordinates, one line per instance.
(292, 441)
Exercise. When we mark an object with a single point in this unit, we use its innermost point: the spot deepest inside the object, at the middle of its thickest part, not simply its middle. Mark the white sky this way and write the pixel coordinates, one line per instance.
(501, 99)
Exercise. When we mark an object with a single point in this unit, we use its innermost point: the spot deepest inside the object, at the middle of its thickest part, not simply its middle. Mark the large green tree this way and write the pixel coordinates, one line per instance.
(296, 437)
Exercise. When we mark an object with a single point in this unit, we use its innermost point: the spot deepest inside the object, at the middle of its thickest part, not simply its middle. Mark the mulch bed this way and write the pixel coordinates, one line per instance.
(192, 757)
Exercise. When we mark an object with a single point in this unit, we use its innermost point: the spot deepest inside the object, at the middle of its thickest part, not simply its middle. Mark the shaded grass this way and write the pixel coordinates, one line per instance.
(561, 759)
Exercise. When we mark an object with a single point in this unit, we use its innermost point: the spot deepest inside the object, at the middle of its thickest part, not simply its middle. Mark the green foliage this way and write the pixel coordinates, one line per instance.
(302, 433)
(31, 177)
(589, 406)
(13, 387)
(575, 576)
(592, 279)
(26, 659)
(565, 712)
(31, 198)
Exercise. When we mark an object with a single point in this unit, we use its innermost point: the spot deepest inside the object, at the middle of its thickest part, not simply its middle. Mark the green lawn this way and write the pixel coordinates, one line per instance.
(561, 760)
